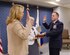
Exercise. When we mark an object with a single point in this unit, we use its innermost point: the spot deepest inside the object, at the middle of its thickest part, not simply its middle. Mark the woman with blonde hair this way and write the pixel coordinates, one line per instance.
(17, 34)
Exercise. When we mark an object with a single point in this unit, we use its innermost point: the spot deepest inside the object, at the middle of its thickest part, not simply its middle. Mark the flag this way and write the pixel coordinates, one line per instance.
(1, 49)
(38, 26)
(37, 19)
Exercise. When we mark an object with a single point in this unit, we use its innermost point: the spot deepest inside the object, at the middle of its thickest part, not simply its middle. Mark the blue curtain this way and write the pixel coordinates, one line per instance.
(4, 10)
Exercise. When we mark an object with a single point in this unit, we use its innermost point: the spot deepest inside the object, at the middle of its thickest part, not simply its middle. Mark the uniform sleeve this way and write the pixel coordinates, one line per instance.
(57, 31)
(46, 25)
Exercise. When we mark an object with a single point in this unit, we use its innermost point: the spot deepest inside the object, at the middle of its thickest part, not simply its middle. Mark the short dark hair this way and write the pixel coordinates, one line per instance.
(56, 13)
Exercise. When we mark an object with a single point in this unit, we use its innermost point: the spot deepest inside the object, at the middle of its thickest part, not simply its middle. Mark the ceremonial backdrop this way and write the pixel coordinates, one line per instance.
(4, 11)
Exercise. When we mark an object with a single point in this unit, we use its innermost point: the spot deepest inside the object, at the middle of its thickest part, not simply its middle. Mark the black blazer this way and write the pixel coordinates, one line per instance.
(55, 34)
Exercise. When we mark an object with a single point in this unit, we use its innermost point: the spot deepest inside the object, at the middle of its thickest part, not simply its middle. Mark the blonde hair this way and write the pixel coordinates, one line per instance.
(15, 9)
(32, 18)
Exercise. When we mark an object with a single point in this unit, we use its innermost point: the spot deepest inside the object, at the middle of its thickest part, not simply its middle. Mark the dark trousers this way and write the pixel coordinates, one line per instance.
(54, 51)
(34, 49)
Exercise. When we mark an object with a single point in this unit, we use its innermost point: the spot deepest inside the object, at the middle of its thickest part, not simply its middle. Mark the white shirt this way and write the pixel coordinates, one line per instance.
(32, 35)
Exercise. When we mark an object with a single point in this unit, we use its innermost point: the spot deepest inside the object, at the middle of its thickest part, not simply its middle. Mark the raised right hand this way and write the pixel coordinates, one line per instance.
(28, 20)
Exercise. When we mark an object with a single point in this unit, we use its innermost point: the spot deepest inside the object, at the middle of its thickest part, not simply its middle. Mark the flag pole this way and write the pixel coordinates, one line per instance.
(28, 15)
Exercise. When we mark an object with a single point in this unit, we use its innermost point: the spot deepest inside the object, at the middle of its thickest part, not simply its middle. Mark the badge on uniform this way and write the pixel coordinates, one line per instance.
(54, 27)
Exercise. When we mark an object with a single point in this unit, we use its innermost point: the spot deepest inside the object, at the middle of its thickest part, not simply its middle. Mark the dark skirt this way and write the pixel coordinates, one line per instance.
(34, 49)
